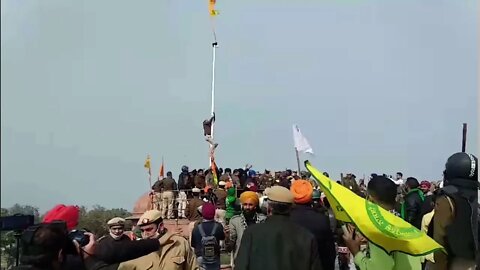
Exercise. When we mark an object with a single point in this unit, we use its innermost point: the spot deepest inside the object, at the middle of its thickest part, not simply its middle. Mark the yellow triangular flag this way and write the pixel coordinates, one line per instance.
(379, 226)
(147, 165)
(211, 8)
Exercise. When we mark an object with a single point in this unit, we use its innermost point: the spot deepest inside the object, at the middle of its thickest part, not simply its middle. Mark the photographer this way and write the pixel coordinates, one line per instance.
(50, 246)
(47, 246)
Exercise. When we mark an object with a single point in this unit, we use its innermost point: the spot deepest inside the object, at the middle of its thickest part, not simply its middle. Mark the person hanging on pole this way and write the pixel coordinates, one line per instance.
(207, 131)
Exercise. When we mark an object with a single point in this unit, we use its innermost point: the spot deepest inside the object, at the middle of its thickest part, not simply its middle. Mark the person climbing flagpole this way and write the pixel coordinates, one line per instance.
(301, 145)
(210, 124)
(148, 166)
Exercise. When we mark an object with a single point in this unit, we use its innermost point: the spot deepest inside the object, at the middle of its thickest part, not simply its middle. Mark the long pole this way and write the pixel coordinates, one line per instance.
(464, 137)
(151, 193)
(214, 49)
(298, 162)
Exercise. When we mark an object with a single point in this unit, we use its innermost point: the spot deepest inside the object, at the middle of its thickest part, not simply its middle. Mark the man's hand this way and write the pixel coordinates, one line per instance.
(352, 244)
(89, 249)
(179, 230)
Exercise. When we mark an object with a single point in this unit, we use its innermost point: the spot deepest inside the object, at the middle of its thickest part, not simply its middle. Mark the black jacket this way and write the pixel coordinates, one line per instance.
(183, 181)
(278, 244)
(428, 205)
(319, 225)
(110, 250)
(412, 208)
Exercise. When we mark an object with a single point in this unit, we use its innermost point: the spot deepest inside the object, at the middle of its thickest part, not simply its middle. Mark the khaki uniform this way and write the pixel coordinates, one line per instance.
(444, 214)
(221, 206)
(192, 213)
(174, 254)
(200, 181)
(225, 177)
(168, 185)
(157, 199)
(221, 198)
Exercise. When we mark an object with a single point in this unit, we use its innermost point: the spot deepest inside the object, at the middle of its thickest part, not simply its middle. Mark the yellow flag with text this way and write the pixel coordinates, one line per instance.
(379, 226)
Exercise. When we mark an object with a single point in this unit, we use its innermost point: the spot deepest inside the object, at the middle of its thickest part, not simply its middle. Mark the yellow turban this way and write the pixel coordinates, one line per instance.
(302, 191)
(249, 195)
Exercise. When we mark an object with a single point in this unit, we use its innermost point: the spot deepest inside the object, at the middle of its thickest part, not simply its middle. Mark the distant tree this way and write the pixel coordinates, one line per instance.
(96, 219)
(25, 210)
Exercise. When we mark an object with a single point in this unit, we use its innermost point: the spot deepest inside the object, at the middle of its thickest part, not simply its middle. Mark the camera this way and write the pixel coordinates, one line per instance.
(79, 236)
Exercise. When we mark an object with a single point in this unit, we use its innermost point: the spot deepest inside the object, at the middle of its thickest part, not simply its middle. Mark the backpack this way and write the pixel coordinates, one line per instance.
(209, 244)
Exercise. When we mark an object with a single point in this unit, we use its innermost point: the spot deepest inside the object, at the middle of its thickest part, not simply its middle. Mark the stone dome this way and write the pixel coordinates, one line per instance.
(143, 204)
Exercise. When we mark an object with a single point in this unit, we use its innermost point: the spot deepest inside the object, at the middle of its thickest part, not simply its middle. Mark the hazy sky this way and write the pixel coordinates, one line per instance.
(88, 88)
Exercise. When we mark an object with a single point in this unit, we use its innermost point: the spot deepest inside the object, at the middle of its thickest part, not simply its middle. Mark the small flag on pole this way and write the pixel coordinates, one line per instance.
(211, 7)
(214, 170)
(300, 142)
(147, 165)
(161, 174)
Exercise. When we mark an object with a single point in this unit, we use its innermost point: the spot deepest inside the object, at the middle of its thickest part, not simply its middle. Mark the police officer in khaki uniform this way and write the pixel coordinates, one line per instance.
(116, 228)
(168, 186)
(175, 253)
(158, 198)
(117, 247)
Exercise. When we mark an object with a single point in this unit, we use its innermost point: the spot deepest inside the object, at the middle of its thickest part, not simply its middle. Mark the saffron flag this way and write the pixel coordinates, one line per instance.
(379, 226)
(300, 142)
(214, 170)
(161, 173)
(211, 7)
(147, 165)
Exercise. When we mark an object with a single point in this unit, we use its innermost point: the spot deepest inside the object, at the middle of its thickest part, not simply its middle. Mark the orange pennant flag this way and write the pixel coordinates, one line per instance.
(162, 170)
(211, 8)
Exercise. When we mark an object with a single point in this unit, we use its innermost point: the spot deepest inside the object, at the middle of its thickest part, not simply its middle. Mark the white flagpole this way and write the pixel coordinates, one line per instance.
(298, 162)
(214, 48)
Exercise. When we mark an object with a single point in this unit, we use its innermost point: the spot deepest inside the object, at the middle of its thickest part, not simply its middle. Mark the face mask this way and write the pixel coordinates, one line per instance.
(115, 236)
(138, 233)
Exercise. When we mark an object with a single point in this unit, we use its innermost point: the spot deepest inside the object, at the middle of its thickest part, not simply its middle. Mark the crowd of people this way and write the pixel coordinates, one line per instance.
(279, 220)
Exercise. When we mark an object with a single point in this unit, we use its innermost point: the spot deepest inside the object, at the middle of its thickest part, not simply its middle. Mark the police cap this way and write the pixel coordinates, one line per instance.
(280, 194)
(116, 221)
(149, 217)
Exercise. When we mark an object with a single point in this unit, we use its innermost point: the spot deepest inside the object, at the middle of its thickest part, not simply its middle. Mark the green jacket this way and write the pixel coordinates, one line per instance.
(378, 259)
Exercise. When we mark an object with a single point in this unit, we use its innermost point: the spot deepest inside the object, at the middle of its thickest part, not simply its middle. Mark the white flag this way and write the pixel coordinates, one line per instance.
(301, 143)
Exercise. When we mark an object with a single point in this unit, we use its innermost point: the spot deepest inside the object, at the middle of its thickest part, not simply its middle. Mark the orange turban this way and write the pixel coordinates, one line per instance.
(249, 195)
(302, 191)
